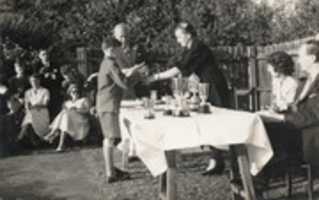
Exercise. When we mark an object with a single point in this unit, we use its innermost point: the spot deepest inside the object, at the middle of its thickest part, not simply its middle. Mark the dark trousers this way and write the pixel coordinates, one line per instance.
(285, 140)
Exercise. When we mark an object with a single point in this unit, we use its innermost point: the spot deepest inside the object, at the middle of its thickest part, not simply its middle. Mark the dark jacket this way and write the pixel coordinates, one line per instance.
(306, 118)
(199, 59)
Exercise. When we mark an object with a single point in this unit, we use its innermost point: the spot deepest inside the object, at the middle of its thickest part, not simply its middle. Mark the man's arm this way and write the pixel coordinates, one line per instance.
(118, 77)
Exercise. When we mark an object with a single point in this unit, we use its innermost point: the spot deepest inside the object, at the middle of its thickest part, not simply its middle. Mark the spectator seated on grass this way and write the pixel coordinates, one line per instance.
(71, 75)
(73, 120)
(36, 121)
(50, 79)
(10, 126)
(19, 83)
(4, 91)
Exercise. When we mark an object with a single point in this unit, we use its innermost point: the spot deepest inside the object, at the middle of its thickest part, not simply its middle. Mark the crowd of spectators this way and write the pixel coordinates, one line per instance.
(33, 100)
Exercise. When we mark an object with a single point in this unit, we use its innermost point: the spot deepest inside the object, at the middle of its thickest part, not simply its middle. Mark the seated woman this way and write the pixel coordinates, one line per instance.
(4, 91)
(73, 120)
(71, 75)
(10, 126)
(35, 124)
(284, 85)
(284, 88)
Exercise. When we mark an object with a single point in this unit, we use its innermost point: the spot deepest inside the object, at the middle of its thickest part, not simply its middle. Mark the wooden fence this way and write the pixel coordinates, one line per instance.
(244, 67)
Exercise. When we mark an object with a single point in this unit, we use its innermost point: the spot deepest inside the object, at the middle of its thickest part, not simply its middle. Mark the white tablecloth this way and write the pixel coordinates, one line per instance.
(221, 128)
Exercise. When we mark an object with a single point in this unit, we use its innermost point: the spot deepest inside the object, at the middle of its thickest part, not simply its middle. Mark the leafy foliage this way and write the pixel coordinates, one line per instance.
(64, 25)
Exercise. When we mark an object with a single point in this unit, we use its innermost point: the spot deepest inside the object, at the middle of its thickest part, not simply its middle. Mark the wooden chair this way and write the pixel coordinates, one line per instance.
(309, 179)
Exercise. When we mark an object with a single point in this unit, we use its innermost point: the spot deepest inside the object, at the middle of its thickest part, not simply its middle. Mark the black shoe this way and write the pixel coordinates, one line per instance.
(217, 170)
(133, 159)
(119, 176)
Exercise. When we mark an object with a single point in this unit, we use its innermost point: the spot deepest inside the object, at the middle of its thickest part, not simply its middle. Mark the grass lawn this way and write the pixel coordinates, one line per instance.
(79, 175)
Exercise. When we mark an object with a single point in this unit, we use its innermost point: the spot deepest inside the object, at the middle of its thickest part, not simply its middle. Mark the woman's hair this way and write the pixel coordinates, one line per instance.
(35, 76)
(281, 62)
(65, 69)
(71, 87)
(121, 25)
(110, 43)
(312, 48)
(18, 61)
(187, 28)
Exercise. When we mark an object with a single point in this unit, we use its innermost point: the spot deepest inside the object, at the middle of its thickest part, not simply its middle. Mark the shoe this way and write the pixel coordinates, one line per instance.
(119, 176)
(122, 175)
(132, 159)
(111, 179)
(59, 150)
(217, 170)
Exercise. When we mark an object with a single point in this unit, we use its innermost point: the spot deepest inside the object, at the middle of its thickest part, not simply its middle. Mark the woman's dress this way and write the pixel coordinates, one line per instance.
(74, 119)
(38, 117)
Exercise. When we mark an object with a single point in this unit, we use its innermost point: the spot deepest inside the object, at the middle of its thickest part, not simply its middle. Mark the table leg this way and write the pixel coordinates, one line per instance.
(243, 163)
(168, 186)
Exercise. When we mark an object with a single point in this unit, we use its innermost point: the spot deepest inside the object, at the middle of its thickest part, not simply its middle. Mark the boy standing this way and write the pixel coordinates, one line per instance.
(111, 84)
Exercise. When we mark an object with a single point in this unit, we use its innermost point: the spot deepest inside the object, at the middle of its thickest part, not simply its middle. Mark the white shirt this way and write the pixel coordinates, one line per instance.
(284, 91)
(40, 96)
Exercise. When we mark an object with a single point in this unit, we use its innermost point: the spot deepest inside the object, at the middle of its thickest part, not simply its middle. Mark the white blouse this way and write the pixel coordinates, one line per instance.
(40, 96)
(284, 92)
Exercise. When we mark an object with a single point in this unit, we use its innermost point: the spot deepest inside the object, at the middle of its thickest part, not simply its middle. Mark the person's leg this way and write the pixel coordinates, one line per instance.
(23, 132)
(61, 141)
(52, 135)
(108, 158)
(27, 137)
(216, 163)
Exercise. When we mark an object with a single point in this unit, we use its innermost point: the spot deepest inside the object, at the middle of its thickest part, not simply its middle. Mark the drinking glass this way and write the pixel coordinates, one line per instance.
(179, 87)
(154, 95)
(203, 89)
(148, 107)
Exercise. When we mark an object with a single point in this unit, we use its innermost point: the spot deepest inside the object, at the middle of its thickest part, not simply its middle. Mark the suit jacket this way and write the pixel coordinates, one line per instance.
(306, 118)
(199, 59)
(111, 84)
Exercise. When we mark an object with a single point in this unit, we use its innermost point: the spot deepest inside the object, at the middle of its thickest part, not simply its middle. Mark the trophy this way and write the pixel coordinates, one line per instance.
(179, 88)
(148, 108)
(203, 90)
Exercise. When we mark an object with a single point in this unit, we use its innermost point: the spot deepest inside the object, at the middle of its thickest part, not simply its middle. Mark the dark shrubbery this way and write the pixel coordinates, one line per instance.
(64, 25)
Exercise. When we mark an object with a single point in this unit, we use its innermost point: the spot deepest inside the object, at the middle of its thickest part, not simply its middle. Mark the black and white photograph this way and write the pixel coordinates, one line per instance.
(159, 99)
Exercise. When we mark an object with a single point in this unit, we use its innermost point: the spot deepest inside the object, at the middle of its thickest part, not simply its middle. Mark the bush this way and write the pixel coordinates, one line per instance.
(64, 25)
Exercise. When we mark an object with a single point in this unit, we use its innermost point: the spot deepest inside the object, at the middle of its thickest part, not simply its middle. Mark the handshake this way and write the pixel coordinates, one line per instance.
(140, 70)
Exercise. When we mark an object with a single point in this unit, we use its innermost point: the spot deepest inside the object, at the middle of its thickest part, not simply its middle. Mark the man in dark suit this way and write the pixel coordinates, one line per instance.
(304, 115)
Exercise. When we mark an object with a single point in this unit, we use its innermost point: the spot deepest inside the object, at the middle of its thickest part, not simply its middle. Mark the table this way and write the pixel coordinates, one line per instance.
(157, 141)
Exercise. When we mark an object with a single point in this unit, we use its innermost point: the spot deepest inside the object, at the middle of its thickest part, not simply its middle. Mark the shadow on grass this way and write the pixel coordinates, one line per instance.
(28, 191)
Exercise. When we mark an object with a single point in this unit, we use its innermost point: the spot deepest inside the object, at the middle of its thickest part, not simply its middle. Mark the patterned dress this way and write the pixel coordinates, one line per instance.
(38, 117)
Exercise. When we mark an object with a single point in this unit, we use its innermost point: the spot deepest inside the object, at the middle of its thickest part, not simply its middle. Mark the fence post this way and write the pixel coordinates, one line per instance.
(81, 54)
(252, 78)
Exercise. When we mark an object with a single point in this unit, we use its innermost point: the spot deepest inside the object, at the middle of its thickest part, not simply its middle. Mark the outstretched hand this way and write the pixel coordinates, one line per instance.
(149, 80)
(135, 69)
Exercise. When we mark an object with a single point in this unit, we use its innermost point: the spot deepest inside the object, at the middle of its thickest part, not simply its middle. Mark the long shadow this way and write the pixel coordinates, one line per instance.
(28, 191)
